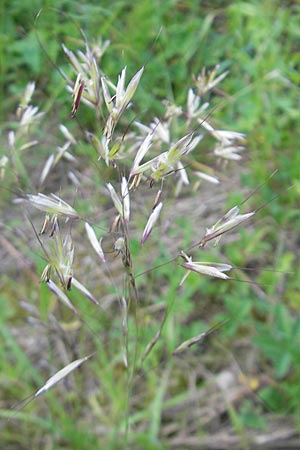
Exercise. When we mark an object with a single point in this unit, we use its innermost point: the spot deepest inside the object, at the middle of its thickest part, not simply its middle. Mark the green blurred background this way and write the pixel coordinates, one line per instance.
(258, 42)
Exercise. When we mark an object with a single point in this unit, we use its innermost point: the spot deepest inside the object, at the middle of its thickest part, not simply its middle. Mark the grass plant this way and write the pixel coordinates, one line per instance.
(111, 280)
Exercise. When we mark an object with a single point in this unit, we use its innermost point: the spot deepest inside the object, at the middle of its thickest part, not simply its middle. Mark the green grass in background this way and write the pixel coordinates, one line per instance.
(258, 43)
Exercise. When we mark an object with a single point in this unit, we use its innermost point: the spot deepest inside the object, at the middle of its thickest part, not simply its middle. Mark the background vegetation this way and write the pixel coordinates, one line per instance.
(179, 402)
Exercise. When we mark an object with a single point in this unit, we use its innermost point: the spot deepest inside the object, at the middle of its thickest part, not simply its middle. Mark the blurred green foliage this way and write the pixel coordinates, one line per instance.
(258, 42)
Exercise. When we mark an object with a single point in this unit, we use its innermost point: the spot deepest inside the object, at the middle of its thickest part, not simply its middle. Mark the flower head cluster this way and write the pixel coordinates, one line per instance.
(229, 143)
(60, 257)
(206, 81)
(118, 103)
(27, 117)
(27, 114)
(151, 154)
(165, 163)
(85, 66)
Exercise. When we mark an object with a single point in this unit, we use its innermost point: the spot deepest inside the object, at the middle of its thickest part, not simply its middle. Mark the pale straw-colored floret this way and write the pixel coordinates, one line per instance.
(159, 130)
(125, 199)
(26, 98)
(228, 142)
(67, 134)
(95, 242)
(52, 205)
(121, 205)
(60, 375)
(194, 107)
(117, 104)
(229, 221)
(30, 115)
(146, 144)
(165, 163)
(206, 81)
(211, 269)
(3, 163)
(151, 222)
(81, 288)
(60, 295)
(206, 177)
